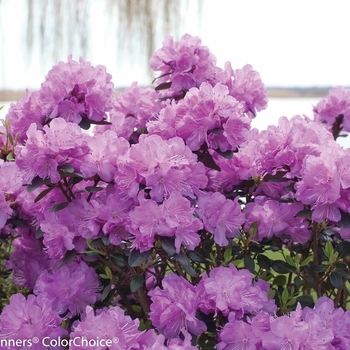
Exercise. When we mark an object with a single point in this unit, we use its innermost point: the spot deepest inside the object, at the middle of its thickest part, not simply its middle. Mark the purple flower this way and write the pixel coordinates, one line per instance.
(162, 165)
(335, 104)
(113, 326)
(173, 308)
(228, 289)
(59, 144)
(28, 260)
(320, 186)
(185, 63)
(113, 216)
(239, 335)
(246, 86)
(207, 115)
(5, 210)
(179, 215)
(23, 319)
(132, 108)
(71, 288)
(23, 113)
(221, 216)
(294, 332)
(147, 220)
(75, 89)
(275, 218)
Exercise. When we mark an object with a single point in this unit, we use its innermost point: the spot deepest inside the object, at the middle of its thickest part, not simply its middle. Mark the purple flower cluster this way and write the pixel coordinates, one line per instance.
(174, 218)
(221, 216)
(75, 89)
(23, 319)
(206, 115)
(132, 108)
(56, 145)
(276, 219)
(230, 290)
(322, 327)
(71, 288)
(162, 166)
(186, 63)
(335, 105)
(246, 86)
(72, 90)
(174, 307)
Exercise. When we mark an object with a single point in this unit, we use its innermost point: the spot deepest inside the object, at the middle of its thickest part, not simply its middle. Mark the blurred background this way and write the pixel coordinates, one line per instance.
(300, 47)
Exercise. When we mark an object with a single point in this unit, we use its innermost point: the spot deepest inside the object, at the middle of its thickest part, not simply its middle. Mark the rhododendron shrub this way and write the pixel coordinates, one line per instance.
(157, 218)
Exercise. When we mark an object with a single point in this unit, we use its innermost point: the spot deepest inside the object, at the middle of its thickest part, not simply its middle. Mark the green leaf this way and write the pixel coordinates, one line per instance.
(253, 229)
(163, 86)
(136, 283)
(68, 257)
(66, 168)
(108, 272)
(10, 157)
(36, 183)
(343, 249)
(297, 281)
(278, 177)
(336, 279)
(280, 280)
(310, 280)
(105, 240)
(271, 294)
(10, 138)
(281, 266)
(137, 258)
(105, 292)
(290, 260)
(344, 220)
(196, 255)
(93, 189)
(39, 233)
(17, 222)
(59, 206)
(264, 262)
(328, 250)
(249, 263)
(227, 154)
(319, 268)
(306, 300)
(185, 262)
(344, 274)
(303, 213)
(307, 260)
(168, 244)
(284, 296)
(43, 194)
(206, 158)
(85, 123)
(96, 243)
(119, 260)
(291, 302)
(228, 254)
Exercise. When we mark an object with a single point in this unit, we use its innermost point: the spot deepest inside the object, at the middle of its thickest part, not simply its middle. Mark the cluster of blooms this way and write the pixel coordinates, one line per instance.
(140, 182)
(335, 104)
(185, 64)
(132, 108)
(71, 90)
(206, 115)
(10, 185)
(322, 327)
